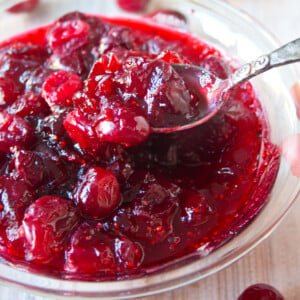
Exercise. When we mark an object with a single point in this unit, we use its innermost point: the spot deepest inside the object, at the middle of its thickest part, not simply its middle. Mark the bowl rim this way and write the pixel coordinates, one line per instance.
(45, 285)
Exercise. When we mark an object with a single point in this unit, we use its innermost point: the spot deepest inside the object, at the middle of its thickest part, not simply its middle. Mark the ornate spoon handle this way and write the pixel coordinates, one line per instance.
(284, 55)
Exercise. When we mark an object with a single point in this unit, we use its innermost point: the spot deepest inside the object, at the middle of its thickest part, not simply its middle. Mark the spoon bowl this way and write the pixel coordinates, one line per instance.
(214, 90)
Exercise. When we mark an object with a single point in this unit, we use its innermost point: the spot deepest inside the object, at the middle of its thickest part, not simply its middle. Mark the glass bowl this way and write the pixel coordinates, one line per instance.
(239, 37)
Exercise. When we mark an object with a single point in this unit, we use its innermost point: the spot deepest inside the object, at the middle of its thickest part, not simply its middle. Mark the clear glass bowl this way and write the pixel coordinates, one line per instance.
(238, 36)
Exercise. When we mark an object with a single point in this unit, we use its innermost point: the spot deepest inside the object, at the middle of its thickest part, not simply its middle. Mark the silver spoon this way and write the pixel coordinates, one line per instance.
(214, 89)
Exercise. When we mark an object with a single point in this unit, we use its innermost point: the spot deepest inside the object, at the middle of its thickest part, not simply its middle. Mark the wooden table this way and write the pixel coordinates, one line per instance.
(277, 260)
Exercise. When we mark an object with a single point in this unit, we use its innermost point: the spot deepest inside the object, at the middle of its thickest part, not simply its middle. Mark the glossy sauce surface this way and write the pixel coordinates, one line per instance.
(86, 190)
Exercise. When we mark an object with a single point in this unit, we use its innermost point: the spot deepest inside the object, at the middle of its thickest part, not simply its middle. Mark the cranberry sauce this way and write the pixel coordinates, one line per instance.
(86, 190)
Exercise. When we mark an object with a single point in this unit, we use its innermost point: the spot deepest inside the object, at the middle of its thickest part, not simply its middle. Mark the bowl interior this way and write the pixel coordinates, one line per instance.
(239, 37)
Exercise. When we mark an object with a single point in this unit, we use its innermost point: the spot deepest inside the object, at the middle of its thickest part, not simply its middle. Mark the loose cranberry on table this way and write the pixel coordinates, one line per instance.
(87, 191)
(132, 5)
(261, 291)
(24, 6)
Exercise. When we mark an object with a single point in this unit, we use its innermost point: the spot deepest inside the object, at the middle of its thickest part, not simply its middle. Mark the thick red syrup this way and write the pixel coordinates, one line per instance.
(86, 191)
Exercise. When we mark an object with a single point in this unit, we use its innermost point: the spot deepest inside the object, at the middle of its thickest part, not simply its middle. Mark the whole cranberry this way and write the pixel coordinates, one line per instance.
(8, 91)
(133, 5)
(68, 36)
(98, 194)
(126, 126)
(29, 104)
(261, 291)
(149, 212)
(194, 208)
(130, 255)
(14, 131)
(23, 6)
(47, 223)
(80, 130)
(59, 88)
(26, 52)
(15, 197)
(90, 251)
(29, 167)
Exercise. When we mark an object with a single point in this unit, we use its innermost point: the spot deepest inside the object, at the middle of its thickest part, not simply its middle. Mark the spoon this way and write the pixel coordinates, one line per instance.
(215, 90)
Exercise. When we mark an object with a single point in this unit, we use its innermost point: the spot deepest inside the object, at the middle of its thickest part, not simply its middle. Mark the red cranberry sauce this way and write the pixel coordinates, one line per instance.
(86, 191)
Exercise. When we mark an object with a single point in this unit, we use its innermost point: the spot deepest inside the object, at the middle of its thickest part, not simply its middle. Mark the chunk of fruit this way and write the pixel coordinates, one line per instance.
(194, 207)
(80, 130)
(29, 104)
(15, 197)
(59, 88)
(76, 62)
(46, 225)
(35, 78)
(90, 251)
(98, 194)
(123, 125)
(105, 64)
(67, 36)
(26, 51)
(14, 132)
(217, 65)
(129, 254)
(149, 215)
(8, 91)
(29, 167)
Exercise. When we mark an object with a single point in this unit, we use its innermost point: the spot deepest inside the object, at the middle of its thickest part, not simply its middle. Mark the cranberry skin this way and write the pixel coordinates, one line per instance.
(125, 126)
(172, 57)
(97, 25)
(29, 167)
(80, 130)
(148, 214)
(55, 172)
(129, 254)
(194, 207)
(217, 65)
(59, 88)
(261, 291)
(90, 251)
(98, 194)
(21, 52)
(14, 131)
(68, 36)
(98, 85)
(158, 89)
(23, 6)
(47, 224)
(86, 103)
(15, 197)
(74, 62)
(8, 91)
(106, 64)
(133, 5)
(29, 104)
(34, 79)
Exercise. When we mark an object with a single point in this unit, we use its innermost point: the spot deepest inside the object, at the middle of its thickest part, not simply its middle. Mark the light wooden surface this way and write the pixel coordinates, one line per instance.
(277, 260)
